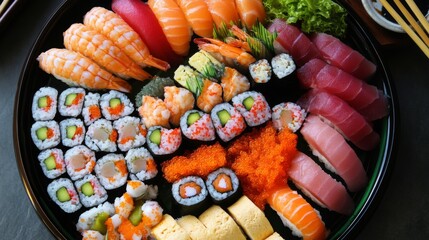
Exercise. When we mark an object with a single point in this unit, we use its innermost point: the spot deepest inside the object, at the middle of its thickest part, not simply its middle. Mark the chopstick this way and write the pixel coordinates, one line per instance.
(421, 38)
(3, 6)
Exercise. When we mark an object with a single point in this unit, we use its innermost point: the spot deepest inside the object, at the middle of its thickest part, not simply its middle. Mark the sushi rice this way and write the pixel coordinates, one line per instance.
(112, 171)
(87, 218)
(80, 161)
(69, 206)
(169, 143)
(141, 164)
(283, 65)
(101, 136)
(233, 127)
(43, 113)
(131, 132)
(124, 108)
(60, 166)
(99, 194)
(77, 137)
(288, 115)
(259, 112)
(53, 134)
(202, 129)
(75, 108)
(260, 71)
(91, 108)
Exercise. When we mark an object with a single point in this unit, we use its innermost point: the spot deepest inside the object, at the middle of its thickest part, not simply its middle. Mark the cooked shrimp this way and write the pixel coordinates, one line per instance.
(198, 16)
(248, 43)
(77, 70)
(210, 96)
(100, 49)
(174, 24)
(223, 12)
(116, 29)
(250, 11)
(215, 46)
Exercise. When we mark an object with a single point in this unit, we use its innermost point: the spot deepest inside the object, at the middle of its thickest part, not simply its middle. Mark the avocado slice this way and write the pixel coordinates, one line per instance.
(63, 194)
(87, 189)
(71, 131)
(42, 102)
(248, 103)
(114, 102)
(50, 163)
(70, 99)
(193, 117)
(155, 136)
(224, 116)
(136, 215)
(42, 133)
(98, 224)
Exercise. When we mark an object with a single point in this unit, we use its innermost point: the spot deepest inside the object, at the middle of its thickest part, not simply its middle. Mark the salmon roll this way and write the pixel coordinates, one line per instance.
(253, 106)
(163, 141)
(72, 132)
(141, 164)
(223, 186)
(52, 162)
(197, 125)
(190, 195)
(44, 106)
(115, 105)
(91, 108)
(94, 219)
(288, 115)
(131, 132)
(63, 193)
(154, 112)
(70, 102)
(178, 101)
(112, 171)
(227, 121)
(45, 134)
(101, 136)
(80, 161)
(91, 193)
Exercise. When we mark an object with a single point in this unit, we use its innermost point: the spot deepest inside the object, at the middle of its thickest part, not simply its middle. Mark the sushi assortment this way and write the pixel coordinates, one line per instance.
(203, 150)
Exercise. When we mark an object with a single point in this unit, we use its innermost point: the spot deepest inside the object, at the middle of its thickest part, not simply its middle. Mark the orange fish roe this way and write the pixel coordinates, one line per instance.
(200, 162)
(128, 230)
(261, 159)
(94, 112)
(116, 110)
(113, 136)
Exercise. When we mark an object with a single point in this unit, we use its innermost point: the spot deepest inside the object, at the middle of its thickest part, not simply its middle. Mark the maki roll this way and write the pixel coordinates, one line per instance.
(124, 205)
(115, 104)
(288, 115)
(101, 136)
(141, 164)
(112, 171)
(91, 193)
(71, 101)
(44, 105)
(163, 141)
(45, 134)
(139, 190)
(52, 162)
(154, 112)
(223, 186)
(80, 161)
(190, 195)
(131, 132)
(283, 65)
(94, 219)
(91, 108)
(151, 213)
(72, 132)
(178, 101)
(253, 106)
(260, 71)
(197, 125)
(227, 121)
(63, 193)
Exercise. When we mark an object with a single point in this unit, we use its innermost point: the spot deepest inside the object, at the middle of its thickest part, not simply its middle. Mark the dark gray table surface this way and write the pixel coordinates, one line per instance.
(402, 213)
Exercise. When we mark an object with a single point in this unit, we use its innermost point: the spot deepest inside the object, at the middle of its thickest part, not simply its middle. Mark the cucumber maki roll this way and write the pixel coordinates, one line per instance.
(141, 164)
(91, 193)
(283, 65)
(52, 162)
(95, 218)
(63, 193)
(45, 134)
(70, 102)
(115, 105)
(223, 186)
(80, 161)
(163, 141)
(227, 121)
(253, 106)
(44, 105)
(112, 171)
(190, 195)
(197, 125)
(131, 132)
(288, 115)
(91, 108)
(101, 136)
(72, 132)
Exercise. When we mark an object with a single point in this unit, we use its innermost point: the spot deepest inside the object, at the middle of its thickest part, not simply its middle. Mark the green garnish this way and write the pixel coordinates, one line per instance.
(222, 32)
(266, 37)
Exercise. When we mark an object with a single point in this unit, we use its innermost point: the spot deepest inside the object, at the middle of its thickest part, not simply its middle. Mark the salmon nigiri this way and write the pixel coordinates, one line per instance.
(250, 11)
(102, 50)
(223, 12)
(198, 16)
(116, 29)
(77, 70)
(174, 24)
(297, 214)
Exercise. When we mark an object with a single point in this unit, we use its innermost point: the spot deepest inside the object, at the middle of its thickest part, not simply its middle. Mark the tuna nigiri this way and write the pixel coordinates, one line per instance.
(319, 185)
(351, 124)
(223, 12)
(291, 40)
(365, 98)
(174, 24)
(339, 54)
(297, 214)
(250, 11)
(198, 16)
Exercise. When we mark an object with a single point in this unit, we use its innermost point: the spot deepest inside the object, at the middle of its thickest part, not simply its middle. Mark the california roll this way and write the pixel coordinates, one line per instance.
(227, 121)
(163, 141)
(288, 115)
(91, 193)
(253, 106)
(197, 125)
(45, 134)
(71, 101)
(44, 105)
(52, 162)
(115, 104)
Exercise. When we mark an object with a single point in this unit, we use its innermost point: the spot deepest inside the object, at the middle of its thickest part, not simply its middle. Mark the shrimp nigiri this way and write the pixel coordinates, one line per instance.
(77, 70)
(223, 12)
(174, 24)
(198, 16)
(116, 29)
(83, 39)
(298, 214)
(250, 11)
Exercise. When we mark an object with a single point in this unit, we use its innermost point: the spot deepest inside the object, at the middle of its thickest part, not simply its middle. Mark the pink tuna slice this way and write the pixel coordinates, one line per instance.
(365, 98)
(291, 40)
(351, 124)
(339, 54)
(319, 185)
(333, 150)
